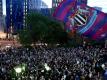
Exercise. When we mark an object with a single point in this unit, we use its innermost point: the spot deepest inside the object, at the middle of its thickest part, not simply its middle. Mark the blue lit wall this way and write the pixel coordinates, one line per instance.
(8, 16)
(46, 11)
(17, 14)
(35, 4)
(16, 18)
(40, 7)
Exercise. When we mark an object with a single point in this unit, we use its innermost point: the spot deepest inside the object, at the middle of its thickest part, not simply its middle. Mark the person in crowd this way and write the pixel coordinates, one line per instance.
(55, 63)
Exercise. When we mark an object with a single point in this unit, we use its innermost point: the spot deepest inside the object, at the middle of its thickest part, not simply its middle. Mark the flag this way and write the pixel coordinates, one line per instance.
(86, 20)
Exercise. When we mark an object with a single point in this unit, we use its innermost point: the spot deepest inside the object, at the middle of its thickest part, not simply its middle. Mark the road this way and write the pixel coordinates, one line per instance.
(7, 43)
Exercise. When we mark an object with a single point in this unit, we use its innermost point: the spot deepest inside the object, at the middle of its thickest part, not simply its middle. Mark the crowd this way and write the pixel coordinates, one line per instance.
(63, 63)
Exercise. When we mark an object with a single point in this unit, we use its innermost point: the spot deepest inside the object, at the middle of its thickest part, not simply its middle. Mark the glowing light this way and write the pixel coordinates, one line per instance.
(18, 70)
(2, 35)
(47, 67)
(103, 66)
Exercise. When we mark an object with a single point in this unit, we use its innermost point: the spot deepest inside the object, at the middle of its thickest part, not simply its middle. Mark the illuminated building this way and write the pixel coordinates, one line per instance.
(16, 10)
(35, 4)
(40, 7)
(1, 17)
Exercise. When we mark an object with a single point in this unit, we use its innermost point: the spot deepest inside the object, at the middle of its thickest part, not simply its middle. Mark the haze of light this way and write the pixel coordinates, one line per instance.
(98, 3)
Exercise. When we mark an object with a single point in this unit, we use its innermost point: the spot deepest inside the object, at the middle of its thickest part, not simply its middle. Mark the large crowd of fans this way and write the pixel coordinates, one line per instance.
(64, 63)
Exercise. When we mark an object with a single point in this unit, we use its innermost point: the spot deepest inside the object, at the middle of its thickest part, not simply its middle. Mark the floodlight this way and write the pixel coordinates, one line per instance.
(103, 66)
(23, 68)
(78, 62)
(18, 70)
(31, 77)
(47, 67)
(42, 70)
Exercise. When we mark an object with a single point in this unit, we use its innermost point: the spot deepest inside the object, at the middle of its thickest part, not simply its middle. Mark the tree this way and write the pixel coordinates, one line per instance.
(38, 26)
(56, 35)
(25, 37)
(44, 30)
